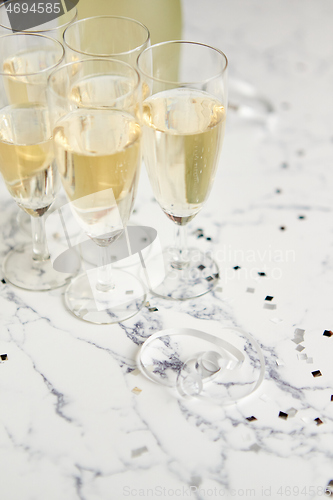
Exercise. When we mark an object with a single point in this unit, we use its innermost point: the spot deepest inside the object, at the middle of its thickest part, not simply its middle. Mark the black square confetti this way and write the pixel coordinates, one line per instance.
(3, 357)
(261, 274)
(332, 397)
(251, 419)
(319, 421)
(282, 228)
(269, 297)
(301, 217)
(209, 238)
(283, 415)
(236, 267)
(328, 333)
(216, 276)
(317, 373)
(209, 278)
(3, 281)
(201, 267)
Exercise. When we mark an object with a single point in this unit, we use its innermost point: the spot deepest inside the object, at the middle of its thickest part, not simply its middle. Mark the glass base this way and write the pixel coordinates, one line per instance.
(21, 270)
(200, 276)
(126, 299)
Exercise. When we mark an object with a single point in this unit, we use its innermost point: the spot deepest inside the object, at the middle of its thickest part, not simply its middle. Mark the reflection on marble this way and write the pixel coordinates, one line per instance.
(77, 419)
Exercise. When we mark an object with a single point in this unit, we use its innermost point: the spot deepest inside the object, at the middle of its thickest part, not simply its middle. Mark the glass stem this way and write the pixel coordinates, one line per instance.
(40, 251)
(104, 272)
(181, 260)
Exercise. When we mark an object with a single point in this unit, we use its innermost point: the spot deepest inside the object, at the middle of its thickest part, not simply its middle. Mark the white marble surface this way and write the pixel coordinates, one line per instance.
(70, 425)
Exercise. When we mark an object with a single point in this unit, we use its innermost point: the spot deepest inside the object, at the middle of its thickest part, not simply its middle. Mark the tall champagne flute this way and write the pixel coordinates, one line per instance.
(96, 112)
(106, 36)
(26, 150)
(55, 17)
(183, 126)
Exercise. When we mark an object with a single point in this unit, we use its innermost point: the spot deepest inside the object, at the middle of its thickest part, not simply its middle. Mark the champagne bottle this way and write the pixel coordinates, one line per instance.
(163, 18)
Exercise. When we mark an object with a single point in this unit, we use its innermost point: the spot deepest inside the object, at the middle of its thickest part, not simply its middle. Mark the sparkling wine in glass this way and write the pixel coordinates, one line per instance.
(26, 150)
(96, 113)
(52, 25)
(184, 115)
(118, 37)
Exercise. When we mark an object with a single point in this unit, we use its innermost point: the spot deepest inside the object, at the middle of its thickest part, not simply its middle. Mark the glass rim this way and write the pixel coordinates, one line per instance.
(100, 59)
(173, 42)
(107, 17)
(49, 68)
(33, 30)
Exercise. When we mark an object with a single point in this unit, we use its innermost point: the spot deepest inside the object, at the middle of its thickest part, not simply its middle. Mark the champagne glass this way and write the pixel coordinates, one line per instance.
(118, 37)
(50, 26)
(26, 150)
(96, 108)
(53, 17)
(106, 36)
(183, 127)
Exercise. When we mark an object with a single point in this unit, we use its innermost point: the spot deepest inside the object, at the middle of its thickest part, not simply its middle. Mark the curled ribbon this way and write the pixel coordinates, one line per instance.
(206, 365)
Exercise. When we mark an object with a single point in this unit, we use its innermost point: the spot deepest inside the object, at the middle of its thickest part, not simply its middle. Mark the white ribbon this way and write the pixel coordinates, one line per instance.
(196, 377)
